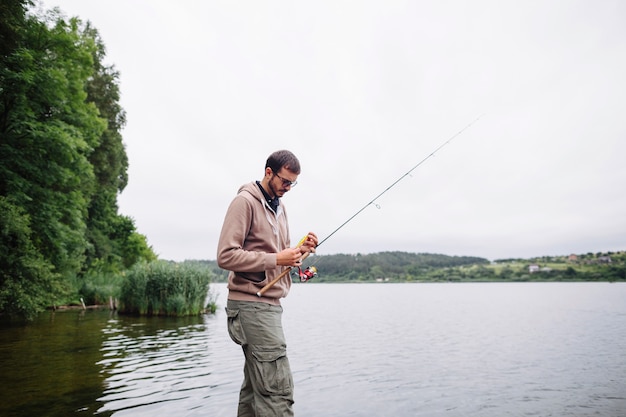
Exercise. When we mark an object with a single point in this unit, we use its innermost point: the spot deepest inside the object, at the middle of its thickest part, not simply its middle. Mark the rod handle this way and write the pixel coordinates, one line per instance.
(278, 278)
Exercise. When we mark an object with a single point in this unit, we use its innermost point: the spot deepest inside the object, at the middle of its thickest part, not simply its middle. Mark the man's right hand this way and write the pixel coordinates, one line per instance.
(289, 257)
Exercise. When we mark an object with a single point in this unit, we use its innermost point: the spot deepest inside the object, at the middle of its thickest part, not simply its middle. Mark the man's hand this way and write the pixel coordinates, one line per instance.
(293, 256)
(310, 243)
(289, 257)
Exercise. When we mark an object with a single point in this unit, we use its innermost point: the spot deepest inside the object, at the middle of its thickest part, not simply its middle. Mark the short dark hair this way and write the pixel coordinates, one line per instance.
(283, 159)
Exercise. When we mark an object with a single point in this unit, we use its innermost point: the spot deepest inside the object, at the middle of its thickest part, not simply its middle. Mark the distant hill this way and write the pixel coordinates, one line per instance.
(429, 267)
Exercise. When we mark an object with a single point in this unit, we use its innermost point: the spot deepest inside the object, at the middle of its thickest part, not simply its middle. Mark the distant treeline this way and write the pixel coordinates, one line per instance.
(426, 267)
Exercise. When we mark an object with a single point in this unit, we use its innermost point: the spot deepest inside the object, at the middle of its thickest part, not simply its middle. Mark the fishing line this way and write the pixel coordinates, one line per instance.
(311, 271)
(373, 201)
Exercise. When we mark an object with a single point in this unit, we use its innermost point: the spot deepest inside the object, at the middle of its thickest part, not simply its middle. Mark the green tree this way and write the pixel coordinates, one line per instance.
(62, 159)
(570, 273)
(48, 130)
(27, 281)
(113, 239)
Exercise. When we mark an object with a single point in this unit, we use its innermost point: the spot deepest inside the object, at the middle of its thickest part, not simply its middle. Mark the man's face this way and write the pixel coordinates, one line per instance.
(282, 181)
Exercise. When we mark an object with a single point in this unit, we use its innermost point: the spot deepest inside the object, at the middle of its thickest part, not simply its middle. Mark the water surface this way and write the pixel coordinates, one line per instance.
(523, 349)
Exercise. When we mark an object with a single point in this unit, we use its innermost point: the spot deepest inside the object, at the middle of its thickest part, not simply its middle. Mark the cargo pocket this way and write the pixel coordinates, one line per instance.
(273, 372)
(235, 329)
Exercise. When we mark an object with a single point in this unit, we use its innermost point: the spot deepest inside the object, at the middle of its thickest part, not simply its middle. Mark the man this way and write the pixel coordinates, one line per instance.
(254, 246)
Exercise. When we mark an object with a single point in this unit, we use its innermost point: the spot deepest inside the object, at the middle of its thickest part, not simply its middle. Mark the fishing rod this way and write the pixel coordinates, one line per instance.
(311, 271)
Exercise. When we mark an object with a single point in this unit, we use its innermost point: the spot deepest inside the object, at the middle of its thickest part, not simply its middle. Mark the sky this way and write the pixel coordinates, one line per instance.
(362, 92)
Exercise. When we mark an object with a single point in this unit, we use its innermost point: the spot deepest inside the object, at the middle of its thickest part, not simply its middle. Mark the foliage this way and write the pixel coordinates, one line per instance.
(165, 288)
(98, 289)
(112, 237)
(62, 159)
(48, 129)
(27, 281)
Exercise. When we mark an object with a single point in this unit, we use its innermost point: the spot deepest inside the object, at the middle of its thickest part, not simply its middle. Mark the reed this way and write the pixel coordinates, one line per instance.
(166, 288)
(97, 288)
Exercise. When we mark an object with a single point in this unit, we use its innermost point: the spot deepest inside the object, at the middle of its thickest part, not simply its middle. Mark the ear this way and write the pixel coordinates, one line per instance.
(268, 171)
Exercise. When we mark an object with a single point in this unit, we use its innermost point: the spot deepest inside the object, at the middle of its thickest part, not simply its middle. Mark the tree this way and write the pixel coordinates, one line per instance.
(62, 159)
(570, 272)
(112, 237)
(48, 132)
(27, 281)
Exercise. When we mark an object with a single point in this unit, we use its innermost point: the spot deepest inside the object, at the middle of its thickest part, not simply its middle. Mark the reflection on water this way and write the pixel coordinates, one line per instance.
(48, 367)
(356, 350)
(155, 361)
(96, 362)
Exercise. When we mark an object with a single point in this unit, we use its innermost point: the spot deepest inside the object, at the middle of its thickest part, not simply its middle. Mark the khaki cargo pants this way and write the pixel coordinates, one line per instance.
(267, 389)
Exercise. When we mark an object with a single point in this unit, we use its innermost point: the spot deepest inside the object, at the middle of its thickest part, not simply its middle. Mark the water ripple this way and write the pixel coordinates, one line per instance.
(148, 367)
(452, 350)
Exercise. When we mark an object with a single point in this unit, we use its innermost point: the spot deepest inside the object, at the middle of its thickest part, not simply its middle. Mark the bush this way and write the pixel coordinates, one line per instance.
(165, 288)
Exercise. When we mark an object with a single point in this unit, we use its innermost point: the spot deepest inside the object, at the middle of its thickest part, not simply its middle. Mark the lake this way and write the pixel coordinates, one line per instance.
(457, 349)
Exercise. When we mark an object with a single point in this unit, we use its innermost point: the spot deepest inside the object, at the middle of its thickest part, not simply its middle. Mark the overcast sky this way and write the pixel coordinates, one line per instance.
(362, 91)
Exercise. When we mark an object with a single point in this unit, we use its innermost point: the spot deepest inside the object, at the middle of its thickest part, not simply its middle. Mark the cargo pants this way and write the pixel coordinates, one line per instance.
(267, 389)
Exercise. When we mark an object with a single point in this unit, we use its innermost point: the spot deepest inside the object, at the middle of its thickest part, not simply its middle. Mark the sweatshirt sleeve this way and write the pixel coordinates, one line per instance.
(231, 254)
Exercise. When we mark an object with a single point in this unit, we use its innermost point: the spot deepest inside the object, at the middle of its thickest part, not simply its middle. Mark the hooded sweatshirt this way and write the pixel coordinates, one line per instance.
(251, 237)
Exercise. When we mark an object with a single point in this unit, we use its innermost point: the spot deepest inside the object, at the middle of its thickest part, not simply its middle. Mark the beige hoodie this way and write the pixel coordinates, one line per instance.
(251, 236)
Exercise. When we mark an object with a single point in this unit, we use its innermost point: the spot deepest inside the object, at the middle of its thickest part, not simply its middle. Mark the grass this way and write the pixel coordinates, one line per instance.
(99, 289)
(166, 288)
